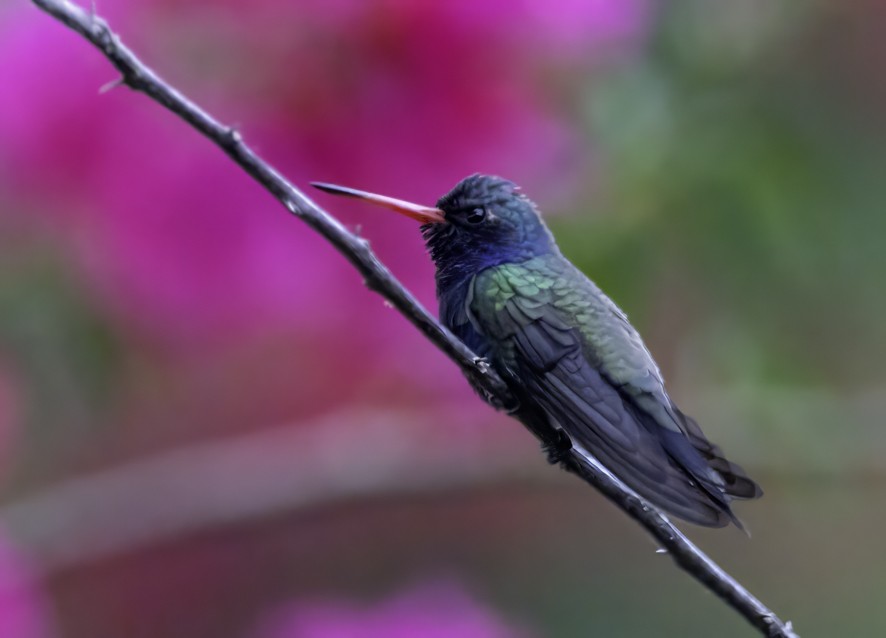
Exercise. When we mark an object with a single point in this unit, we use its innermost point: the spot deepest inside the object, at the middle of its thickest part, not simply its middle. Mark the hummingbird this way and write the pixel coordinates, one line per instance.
(565, 348)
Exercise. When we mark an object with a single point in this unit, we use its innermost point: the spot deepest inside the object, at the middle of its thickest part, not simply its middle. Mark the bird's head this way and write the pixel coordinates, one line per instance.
(483, 221)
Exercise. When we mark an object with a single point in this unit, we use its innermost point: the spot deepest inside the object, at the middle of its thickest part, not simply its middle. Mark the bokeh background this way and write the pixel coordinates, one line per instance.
(209, 427)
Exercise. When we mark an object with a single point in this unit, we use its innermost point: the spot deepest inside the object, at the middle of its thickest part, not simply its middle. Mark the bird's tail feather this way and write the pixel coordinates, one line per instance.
(737, 483)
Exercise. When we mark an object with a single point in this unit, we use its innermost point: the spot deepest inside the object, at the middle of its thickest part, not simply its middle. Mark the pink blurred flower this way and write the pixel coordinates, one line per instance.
(186, 255)
(398, 96)
(433, 611)
(24, 612)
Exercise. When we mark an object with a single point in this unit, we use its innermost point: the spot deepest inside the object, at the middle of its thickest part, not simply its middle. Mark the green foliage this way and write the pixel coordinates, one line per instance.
(65, 354)
(733, 185)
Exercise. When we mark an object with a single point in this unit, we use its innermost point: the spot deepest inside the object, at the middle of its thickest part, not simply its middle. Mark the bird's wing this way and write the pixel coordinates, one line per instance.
(624, 361)
(547, 356)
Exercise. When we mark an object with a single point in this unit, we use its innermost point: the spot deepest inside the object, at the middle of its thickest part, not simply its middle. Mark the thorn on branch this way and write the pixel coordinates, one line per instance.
(104, 37)
(293, 207)
(111, 85)
(233, 138)
(361, 244)
(371, 281)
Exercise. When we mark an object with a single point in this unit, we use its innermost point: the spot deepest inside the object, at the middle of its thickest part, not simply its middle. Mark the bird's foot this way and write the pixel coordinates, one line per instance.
(506, 403)
(556, 450)
(482, 364)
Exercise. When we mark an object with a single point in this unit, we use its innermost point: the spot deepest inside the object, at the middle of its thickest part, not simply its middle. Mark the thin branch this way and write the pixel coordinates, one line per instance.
(378, 278)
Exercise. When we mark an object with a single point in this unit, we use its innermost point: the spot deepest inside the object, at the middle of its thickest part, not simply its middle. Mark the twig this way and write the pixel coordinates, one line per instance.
(378, 278)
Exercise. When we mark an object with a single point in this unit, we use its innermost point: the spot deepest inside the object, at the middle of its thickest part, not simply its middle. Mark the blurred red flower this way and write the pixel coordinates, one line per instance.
(431, 611)
(192, 264)
(24, 612)
(398, 96)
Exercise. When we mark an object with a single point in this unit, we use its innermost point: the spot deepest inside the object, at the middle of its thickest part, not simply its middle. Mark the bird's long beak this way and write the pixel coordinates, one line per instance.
(424, 214)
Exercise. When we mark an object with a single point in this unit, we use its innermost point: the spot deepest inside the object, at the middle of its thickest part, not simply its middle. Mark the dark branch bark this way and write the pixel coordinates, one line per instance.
(378, 278)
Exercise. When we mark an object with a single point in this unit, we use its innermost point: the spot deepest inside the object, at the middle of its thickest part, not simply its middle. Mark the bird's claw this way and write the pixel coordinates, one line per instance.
(557, 449)
(482, 364)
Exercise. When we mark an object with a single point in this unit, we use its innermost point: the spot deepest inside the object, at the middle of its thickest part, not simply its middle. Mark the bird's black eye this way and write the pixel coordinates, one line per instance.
(476, 216)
